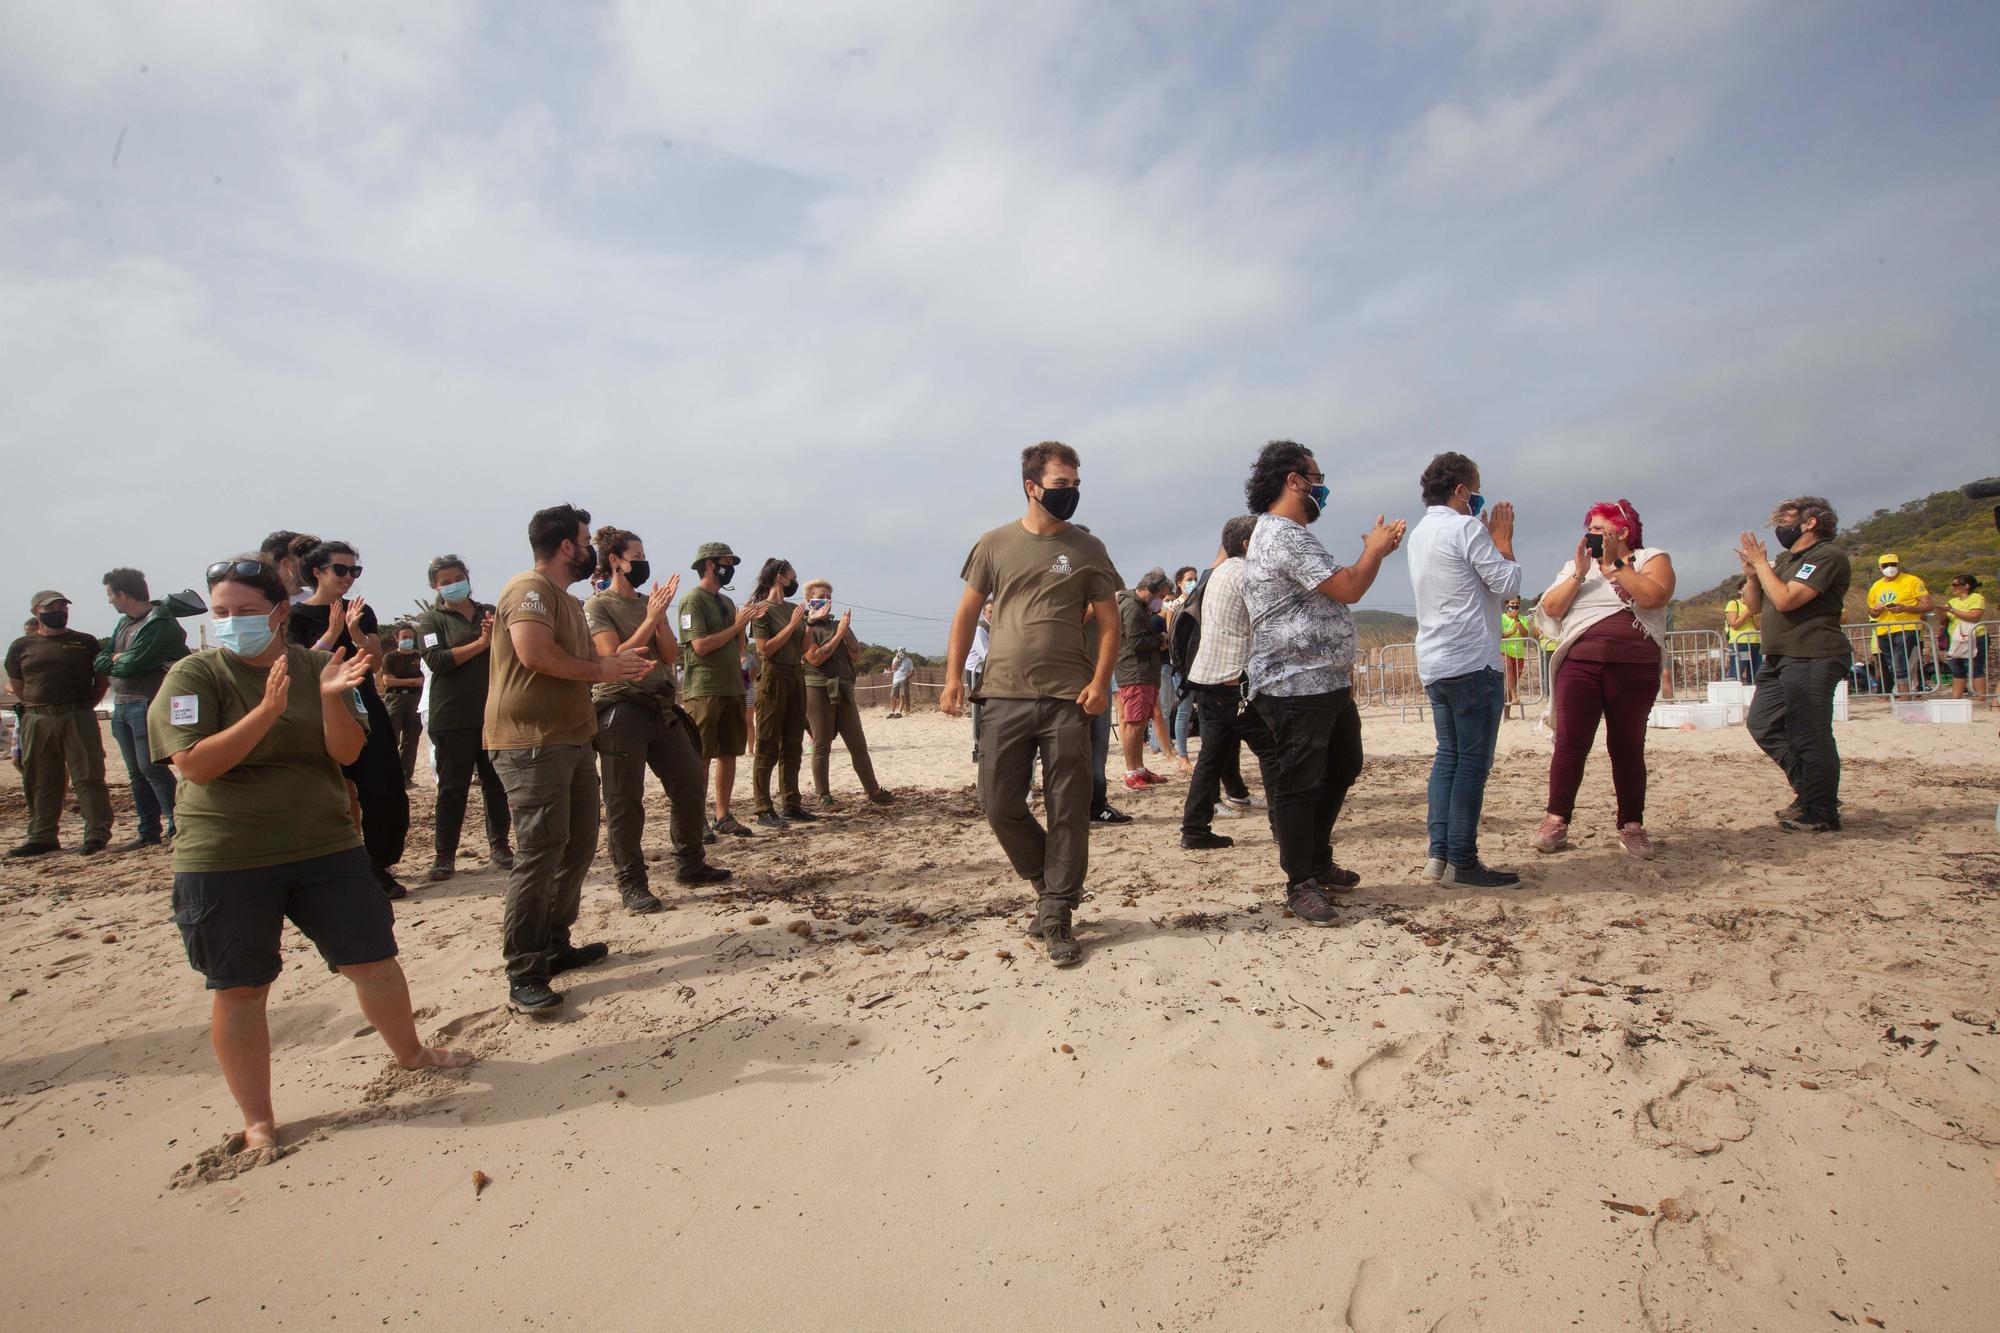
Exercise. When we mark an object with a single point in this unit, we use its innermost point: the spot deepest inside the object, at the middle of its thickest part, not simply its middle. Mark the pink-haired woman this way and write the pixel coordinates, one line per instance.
(1607, 611)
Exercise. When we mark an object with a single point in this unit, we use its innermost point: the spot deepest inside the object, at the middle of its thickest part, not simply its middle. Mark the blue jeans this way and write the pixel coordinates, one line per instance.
(1749, 657)
(152, 784)
(1184, 712)
(1466, 710)
(1901, 657)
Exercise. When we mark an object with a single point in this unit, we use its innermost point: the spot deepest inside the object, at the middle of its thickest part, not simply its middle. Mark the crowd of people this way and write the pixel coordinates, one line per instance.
(278, 763)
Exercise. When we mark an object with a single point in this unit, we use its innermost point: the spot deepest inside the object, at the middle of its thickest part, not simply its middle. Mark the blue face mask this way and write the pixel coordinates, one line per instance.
(1475, 502)
(456, 592)
(245, 636)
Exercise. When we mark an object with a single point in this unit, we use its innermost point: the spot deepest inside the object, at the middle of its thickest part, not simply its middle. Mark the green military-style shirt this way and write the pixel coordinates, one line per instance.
(458, 693)
(720, 674)
(838, 666)
(771, 624)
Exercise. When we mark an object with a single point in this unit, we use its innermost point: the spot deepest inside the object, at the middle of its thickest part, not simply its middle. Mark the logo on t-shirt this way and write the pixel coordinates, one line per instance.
(185, 710)
(1805, 571)
(531, 604)
(1061, 566)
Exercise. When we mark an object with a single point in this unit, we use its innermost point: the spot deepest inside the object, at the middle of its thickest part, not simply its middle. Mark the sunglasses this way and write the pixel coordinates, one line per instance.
(221, 569)
(344, 571)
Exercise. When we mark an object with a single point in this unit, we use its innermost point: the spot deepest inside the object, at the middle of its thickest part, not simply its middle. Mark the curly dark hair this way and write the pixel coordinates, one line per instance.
(1813, 507)
(1035, 459)
(128, 583)
(1276, 461)
(1446, 473)
(611, 541)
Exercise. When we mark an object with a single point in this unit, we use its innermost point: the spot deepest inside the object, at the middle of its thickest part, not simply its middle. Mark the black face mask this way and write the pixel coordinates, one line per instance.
(1061, 501)
(57, 619)
(1789, 534)
(790, 586)
(584, 564)
(725, 575)
(640, 571)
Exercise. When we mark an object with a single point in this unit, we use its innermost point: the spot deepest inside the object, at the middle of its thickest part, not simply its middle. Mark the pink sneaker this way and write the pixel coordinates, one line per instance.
(1633, 838)
(1553, 835)
(1137, 781)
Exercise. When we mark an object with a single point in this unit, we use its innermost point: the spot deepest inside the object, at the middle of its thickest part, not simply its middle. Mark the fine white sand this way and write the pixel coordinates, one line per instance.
(1750, 1085)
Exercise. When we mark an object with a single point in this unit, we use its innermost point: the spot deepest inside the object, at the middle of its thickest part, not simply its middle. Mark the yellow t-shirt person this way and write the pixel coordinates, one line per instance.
(1970, 602)
(1905, 590)
(1749, 633)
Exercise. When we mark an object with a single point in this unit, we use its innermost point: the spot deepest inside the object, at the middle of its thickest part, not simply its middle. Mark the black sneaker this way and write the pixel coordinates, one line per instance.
(533, 997)
(94, 846)
(1479, 875)
(1310, 905)
(708, 834)
(35, 849)
(1110, 814)
(572, 956)
(881, 796)
(1060, 942)
(1331, 876)
(137, 845)
(442, 869)
(702, 874)
(800, 815)
(392, 888)
(771, 819)
(1804, 823)
(1205, 842)
(734, 827)
(503, 856)
(640, 902)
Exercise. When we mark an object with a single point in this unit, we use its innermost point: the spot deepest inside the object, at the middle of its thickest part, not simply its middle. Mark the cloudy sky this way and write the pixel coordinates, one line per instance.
(805, 277)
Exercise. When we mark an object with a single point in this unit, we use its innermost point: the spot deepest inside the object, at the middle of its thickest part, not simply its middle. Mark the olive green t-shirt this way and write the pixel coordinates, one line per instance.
(771, 624)
(525, 708)
(623, 616)
(54, 669)
(1040, 586)
(720, 674)
(838, 664)
(286, 800)
(1813, 630)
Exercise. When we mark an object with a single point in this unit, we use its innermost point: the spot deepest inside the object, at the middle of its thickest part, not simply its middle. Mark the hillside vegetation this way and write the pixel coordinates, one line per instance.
(1938, 536)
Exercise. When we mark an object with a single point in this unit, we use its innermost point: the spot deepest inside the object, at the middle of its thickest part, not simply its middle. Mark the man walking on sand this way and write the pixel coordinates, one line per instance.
(540, 725)
(1040, 687)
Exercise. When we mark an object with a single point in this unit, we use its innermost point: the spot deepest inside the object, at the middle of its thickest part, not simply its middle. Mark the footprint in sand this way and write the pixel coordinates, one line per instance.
(1371, 1303)
(1483, 1197)
(1699, 1278)
(1697, 1118)
(1381, 1072)
(473, 1024)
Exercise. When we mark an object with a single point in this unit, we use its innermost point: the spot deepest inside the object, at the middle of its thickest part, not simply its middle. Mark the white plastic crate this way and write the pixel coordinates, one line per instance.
(1731, 692)
(1931, 710)
(1840, 702)
(1694, 717)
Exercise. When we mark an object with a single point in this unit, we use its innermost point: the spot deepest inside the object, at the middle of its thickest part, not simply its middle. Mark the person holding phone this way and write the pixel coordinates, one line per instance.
(1898, 603)
(712, 631)
(831, 651)
(1607, 610)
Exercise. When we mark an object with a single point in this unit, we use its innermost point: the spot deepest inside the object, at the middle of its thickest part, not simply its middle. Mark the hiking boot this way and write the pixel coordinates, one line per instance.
(1310, 905)
(771, 819)
(1792, 811)
(640, 902)
(137, 845)
(1479, 875)
(734, 827)
(1205, 842)
(881, 796)
(1809, 824)
(1632, 837)
(35, 849)
(1110, 814)
(442, 869)
(94, 846)
(572, 956)
(702, 874)
(798, 814)
(502, 856)
(1331, 876)
(1553, 835)
(392, 888)
(532, 997)
(1059, 941)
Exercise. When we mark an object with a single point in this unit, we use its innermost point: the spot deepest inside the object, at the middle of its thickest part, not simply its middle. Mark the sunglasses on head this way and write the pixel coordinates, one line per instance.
(344, 571)
(247, 568)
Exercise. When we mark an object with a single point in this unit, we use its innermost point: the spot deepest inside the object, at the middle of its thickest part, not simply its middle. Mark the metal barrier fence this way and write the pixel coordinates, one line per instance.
(1692, 660)
(1903, 664)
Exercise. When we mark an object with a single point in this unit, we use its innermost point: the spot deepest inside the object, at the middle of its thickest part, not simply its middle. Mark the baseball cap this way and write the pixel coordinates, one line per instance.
(1890, 558)
(44, 597)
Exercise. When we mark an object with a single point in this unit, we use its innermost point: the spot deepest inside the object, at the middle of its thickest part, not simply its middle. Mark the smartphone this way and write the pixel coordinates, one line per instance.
(1595, 541)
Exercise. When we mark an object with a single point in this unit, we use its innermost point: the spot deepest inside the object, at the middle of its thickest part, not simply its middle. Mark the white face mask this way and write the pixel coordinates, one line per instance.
(1891, 571)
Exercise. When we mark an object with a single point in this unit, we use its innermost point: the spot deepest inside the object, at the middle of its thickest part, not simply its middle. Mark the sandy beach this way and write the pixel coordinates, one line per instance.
(1753, 1084)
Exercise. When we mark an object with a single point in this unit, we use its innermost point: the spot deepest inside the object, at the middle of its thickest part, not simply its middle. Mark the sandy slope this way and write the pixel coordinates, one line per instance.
(1781, 1048)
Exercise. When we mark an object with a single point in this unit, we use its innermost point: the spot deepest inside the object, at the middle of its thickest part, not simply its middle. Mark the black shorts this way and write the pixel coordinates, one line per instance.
(230, 920)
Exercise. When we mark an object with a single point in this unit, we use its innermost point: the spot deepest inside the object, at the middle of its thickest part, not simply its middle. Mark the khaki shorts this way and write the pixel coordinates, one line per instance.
(725, 732)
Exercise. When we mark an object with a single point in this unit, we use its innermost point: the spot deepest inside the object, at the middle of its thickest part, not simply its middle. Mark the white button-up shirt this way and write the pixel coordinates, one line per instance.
(1460, 579)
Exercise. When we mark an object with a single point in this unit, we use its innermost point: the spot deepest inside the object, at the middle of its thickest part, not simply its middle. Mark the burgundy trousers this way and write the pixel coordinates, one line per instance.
(1620, 694)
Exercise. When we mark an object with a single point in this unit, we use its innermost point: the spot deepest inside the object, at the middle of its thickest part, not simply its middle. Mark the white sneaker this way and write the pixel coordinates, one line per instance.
(1247, 803)
(1224, 810)
(1434, 869)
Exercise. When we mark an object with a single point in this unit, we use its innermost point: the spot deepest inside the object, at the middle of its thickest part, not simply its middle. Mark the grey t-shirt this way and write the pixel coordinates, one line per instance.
(1301, 641)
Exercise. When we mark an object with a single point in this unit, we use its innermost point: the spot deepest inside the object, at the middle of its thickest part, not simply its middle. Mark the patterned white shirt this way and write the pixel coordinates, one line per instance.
(1301, 640)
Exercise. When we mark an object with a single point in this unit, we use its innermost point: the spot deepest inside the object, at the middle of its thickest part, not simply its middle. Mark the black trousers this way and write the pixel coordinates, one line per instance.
(1791, 719)
(461, 753)
(377, 775)
(1316, 759)
(1226, 727)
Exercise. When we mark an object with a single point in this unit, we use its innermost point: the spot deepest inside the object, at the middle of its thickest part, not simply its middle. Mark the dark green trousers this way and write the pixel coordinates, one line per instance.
(59, 740)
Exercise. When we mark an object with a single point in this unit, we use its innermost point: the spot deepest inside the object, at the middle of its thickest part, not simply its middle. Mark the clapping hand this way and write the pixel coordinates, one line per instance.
(342, 674)
(624, 666)
(1615, 548)
(659, 602)
(353, 612)
(277, 688)
(1750, 551)
(1383, 538)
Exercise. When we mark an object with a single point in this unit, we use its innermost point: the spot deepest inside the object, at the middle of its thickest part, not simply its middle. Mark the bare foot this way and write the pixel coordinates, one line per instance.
(438, 1057)
(262, 1134)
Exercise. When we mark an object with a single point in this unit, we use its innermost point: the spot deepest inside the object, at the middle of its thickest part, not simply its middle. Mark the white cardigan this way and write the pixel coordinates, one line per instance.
(1598, 600)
